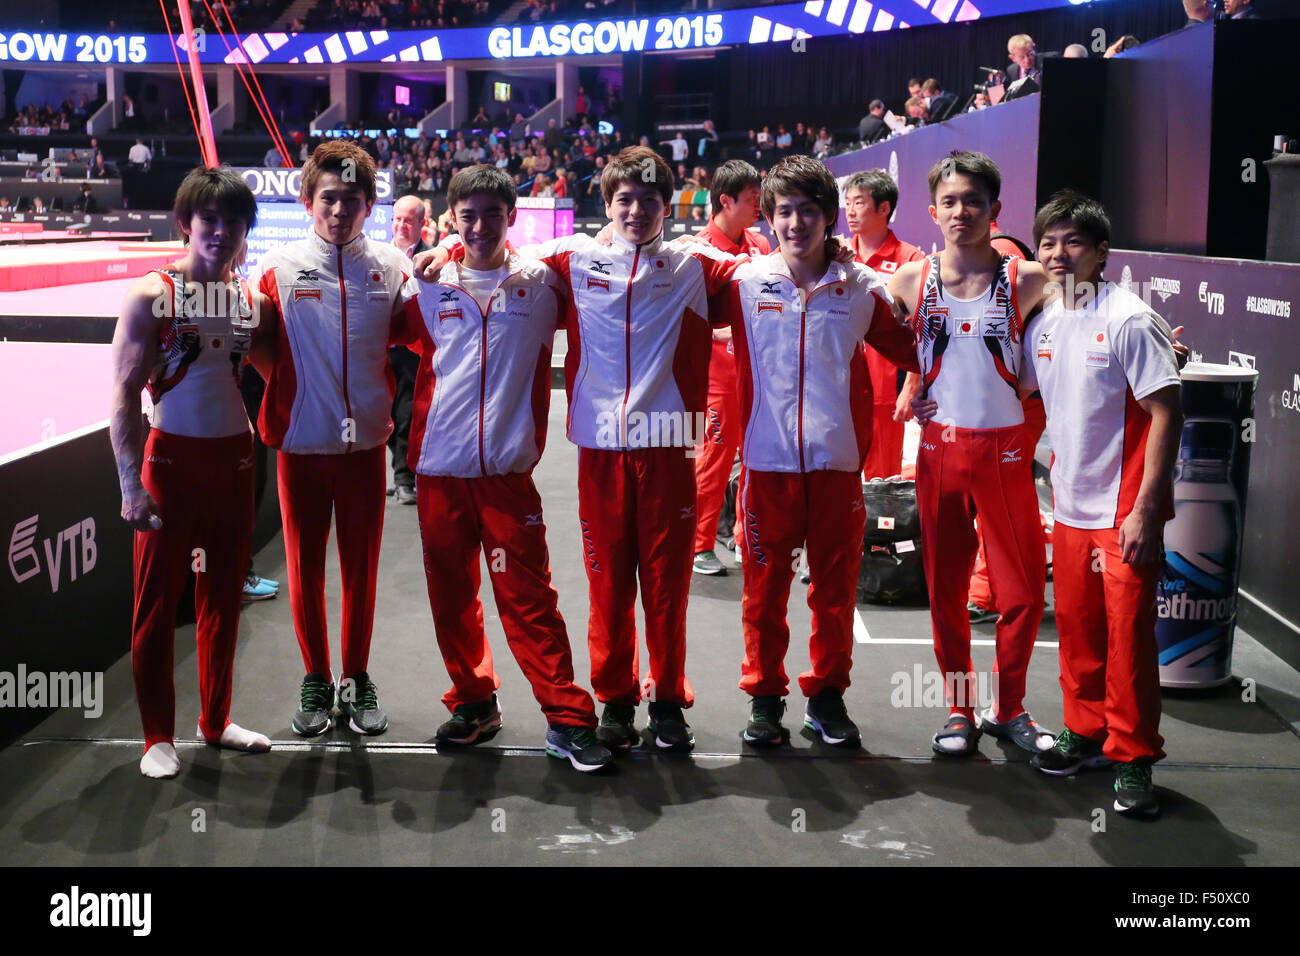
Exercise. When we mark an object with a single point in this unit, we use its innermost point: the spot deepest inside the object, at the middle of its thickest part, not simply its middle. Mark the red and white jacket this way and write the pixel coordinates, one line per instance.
(483, 389)
(637, 368)
(331, 380)
(805, 392)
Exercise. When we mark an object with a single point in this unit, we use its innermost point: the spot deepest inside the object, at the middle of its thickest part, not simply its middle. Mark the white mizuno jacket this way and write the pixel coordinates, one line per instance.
(483, 389)
(330, 390)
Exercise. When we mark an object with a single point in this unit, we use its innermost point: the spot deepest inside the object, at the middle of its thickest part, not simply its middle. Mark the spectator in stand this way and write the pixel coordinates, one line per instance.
(481, 117)
(543, 162)
(765, 138)
(86, 202)
(913, 87)
(5, 204)
(271, 159)
(707, 146)
(1024, 59)
(681, 177)
(552, 138)
(872, 126)
(476, 150)
(1126, 42)
(1198, 12)
(560, 188)
(38, 205)
(462, 155)
(822, 145)
(542, 188)
(917, 110)
(1077, 51)
(581, 104)
(140, 154)
(939, 103)
(702, 178)
(1239, 10)
(784, 140)
(679, 147)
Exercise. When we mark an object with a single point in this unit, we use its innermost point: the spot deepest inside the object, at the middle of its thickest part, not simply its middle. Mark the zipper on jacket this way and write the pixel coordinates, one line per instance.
(627, 346)
(482, 393)
(347, 401)
(803, 315)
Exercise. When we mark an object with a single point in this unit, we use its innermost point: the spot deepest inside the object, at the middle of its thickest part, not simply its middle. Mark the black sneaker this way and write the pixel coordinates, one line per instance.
(668, 724)
(826, 714)
(764, 727)
(471, 723)
(617, 728)
(359, 703)
(1134, 794)
(317, 702)
(1071, 753)
(578, 745)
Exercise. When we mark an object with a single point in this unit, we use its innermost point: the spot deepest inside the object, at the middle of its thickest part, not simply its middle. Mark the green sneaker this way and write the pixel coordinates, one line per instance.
(1071, 753)
(317, 702)
(617, 728)
(359, 702)
(1134, 794)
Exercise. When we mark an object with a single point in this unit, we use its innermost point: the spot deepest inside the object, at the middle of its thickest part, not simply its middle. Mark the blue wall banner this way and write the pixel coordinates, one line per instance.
(782, 23)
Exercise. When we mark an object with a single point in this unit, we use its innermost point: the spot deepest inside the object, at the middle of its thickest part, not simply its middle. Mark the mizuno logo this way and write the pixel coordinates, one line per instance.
(771, 288)
(688, 512)
(1010, 456)
(448, 296)
(533, 521)
(600, 268)
(308, 275)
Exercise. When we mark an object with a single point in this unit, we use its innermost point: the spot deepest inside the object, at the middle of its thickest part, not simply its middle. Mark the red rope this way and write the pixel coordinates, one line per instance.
(259, 99)
(203, 150)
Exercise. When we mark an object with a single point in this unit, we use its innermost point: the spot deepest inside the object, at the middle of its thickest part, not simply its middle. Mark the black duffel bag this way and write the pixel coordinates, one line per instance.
(891, 571)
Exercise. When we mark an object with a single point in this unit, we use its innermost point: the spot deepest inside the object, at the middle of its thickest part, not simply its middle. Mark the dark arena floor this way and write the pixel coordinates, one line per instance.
(73, 795)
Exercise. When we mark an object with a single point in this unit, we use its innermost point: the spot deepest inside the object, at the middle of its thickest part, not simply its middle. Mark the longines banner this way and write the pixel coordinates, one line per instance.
(1244, 313)
(783, 23)
(65, 588)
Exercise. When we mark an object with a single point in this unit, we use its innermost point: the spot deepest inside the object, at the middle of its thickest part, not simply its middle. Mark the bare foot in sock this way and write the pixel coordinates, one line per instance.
(160, 762)
(235, 737)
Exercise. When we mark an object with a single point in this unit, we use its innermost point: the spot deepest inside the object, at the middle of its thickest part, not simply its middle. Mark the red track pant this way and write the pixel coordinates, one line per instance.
(204, 491)
(351, 488)
(981, 590)
(637, 512)
(713, 464)
(1106, 616)
(981, 471)
(885, 457)
(780, 512)
(502, 514)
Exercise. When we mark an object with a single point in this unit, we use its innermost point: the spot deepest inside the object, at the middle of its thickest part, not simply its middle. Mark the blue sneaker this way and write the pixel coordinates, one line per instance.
(259, 589)
(579, 746)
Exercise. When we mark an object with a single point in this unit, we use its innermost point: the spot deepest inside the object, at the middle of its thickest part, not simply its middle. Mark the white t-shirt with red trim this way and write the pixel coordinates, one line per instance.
(1093, 365)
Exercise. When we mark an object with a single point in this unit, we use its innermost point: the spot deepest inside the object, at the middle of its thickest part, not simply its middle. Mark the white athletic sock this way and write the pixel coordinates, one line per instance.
(953, 745)
(160, 762)
(235, 737)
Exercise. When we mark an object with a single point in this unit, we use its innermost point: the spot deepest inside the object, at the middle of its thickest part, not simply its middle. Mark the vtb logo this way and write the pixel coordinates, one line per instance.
(1213, 300)
(25, 562)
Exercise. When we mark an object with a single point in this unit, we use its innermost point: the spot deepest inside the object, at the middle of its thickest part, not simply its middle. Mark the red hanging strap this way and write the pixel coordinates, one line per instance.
(203, 148)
